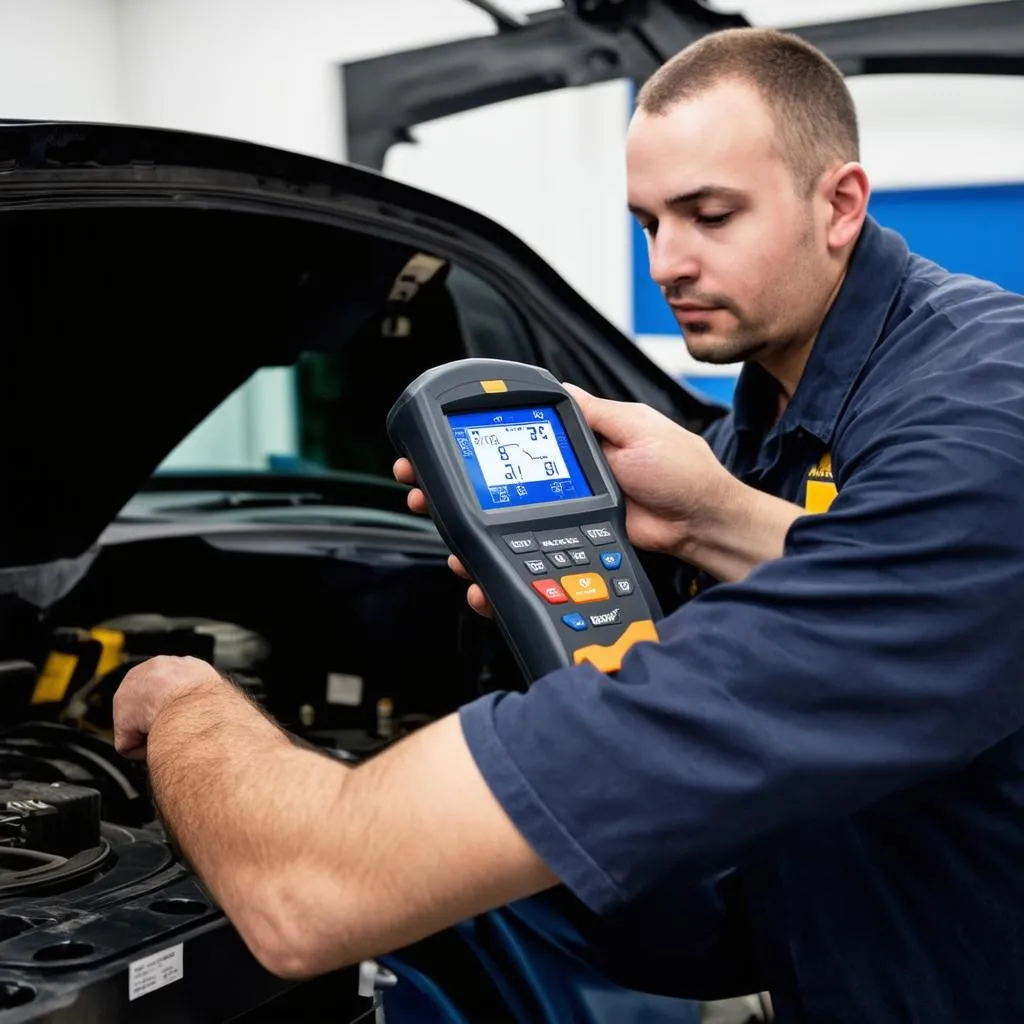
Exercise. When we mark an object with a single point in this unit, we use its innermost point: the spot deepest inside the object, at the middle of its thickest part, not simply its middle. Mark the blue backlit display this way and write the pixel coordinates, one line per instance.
(518, 457)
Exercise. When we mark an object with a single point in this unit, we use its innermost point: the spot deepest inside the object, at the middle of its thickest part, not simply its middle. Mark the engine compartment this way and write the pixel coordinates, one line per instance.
(348, 637)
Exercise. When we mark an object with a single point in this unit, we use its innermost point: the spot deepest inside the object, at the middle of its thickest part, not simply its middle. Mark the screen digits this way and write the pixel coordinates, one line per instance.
(517, 453)
(518, 457)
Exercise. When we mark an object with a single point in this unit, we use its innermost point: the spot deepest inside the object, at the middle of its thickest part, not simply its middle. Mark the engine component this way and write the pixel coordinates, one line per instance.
(85, 667)
(52, 818)
(48, 752)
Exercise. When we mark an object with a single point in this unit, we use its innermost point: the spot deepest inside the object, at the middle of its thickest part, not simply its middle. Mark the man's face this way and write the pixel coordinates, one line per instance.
(739, 253)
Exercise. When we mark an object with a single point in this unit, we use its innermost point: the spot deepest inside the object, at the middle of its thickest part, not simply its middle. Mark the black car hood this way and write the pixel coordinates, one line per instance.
(146, 274)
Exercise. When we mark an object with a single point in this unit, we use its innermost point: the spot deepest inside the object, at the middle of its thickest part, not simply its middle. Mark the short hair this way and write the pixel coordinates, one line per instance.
(814, 113)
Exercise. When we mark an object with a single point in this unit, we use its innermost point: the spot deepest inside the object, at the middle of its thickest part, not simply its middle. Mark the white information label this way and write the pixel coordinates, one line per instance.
(343, 688)
(153, 972)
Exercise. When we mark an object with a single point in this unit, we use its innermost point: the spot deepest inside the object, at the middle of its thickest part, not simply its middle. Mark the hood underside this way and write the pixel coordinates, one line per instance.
(145, 275)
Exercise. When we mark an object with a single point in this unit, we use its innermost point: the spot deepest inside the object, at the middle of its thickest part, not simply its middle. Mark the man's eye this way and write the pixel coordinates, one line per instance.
(650, 228)
(713, 220)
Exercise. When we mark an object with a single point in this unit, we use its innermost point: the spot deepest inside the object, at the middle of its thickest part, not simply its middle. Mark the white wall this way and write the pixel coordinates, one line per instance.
(58, 59)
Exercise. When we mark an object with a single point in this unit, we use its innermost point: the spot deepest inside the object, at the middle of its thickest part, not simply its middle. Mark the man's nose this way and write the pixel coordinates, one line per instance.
(672, 260)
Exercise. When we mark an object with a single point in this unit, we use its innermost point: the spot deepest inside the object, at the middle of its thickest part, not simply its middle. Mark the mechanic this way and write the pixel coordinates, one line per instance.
(827, 740)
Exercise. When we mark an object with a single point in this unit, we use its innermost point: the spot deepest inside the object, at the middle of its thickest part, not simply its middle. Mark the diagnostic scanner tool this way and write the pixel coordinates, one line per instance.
(520, 491)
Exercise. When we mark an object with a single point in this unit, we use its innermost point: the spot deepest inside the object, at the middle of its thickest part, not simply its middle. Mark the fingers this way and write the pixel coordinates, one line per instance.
(479, 603)
(415, 499)
(457, 567)
(417, 502)
(403, 471)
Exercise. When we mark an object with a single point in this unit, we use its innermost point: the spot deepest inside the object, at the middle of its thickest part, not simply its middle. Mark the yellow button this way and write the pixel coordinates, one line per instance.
(589, 586)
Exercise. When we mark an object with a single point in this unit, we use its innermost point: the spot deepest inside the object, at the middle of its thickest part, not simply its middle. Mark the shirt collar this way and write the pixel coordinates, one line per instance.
(848, 335)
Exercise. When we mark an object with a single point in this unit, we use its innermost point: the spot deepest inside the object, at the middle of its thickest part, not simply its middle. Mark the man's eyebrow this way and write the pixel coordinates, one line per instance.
(704, 192)
(695, 196)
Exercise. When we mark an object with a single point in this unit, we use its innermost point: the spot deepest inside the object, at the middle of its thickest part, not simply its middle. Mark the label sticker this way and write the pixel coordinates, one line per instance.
(343, 688)
(153, 972)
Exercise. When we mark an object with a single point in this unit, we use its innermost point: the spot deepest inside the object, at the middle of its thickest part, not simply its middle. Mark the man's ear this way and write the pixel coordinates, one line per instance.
(846, 190)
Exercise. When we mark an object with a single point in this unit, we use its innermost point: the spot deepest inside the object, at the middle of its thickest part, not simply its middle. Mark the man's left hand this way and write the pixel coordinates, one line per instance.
(147, 689)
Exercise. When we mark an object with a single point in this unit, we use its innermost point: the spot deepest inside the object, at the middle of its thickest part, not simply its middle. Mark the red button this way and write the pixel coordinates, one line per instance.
(550, 591)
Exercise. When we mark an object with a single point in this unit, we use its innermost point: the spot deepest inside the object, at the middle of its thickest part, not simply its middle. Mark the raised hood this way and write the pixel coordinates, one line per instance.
(146, 274)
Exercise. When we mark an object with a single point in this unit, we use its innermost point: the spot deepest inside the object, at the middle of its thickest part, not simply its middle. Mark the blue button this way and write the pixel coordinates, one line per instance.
(575, 621)
(611, 559)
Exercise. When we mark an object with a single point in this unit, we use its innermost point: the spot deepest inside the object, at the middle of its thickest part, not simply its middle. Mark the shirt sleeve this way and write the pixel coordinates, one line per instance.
(884, 649)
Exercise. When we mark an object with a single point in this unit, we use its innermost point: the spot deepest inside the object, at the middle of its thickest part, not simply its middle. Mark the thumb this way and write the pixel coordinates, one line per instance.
(617, 422)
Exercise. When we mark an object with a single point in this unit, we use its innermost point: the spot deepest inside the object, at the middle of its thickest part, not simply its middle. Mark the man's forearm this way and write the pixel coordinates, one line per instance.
(743, 530)
(319, 865)
(242, 801)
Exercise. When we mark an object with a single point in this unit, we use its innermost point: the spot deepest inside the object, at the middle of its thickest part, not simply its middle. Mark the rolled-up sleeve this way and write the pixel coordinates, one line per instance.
(884, 649)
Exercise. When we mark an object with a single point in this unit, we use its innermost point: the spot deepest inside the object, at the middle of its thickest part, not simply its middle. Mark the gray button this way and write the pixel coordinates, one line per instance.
(559, 559)
(612, 618)
(555, 540)
(600, 533)
(579, 556)
(622, 586)
(520, 542)
(536, 566)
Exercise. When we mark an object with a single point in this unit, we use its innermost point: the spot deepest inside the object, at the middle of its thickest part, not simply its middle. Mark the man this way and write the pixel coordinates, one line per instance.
(824, 753)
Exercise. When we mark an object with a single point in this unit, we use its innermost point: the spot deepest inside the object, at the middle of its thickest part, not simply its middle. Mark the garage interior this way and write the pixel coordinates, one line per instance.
(251, 469)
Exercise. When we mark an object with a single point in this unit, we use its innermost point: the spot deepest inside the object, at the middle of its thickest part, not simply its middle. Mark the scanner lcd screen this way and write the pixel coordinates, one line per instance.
(518, 457)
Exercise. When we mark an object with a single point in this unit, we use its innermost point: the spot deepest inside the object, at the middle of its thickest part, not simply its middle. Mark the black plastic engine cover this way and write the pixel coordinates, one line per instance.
(54, 818)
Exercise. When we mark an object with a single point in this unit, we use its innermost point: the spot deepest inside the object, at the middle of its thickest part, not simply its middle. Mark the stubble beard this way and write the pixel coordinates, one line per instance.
(739, 345)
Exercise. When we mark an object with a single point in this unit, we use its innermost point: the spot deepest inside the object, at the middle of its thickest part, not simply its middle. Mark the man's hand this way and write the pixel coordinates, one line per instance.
(148, 689)
(672, 482)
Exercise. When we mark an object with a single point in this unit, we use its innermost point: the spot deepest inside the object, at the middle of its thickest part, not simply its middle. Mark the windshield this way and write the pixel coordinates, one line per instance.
(256, 428)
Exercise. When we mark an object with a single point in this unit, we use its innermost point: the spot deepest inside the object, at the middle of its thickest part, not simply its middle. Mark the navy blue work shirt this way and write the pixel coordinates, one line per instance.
(838, 738)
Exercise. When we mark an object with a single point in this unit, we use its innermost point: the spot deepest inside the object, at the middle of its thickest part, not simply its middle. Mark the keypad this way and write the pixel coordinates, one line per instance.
(573, 547)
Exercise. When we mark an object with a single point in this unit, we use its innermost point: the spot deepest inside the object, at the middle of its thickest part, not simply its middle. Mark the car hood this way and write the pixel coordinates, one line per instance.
(147, 273)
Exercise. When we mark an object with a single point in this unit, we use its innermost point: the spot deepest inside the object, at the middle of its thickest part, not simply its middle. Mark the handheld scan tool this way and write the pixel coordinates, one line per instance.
(520, 491)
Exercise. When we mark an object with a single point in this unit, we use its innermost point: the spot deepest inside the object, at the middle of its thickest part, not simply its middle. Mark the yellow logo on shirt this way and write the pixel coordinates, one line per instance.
(821, 488)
